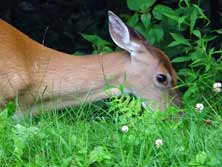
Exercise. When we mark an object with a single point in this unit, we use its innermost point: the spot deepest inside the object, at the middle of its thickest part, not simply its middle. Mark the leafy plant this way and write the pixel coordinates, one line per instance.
(183, 32)
(99, 154)
(99, 45)
(125, 106)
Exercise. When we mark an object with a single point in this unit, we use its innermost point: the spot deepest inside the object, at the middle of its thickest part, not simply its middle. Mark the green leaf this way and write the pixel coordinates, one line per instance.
(22, 135)
(193, 19)
(133, 20)
(133, 5)
(99, 154)
(181, 59)
(219, 31)
(197, 54)
(201, 158)
(179, 40)
(197, 33)
(77, 53)
(181, 20)
(140, 5)
(99, 45)
(207, 68)
(193, 163)
(201, 13)
(106, 49)
(213, 161)
(140, 28)
(146, 18)
(154, 34)
(10, 106)
(146, 4)
(186, 2)
(3, 119)
(161, 10)
(95, 39)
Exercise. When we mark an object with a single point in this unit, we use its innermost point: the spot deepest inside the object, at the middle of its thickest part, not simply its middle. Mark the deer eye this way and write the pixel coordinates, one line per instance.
(161, 78)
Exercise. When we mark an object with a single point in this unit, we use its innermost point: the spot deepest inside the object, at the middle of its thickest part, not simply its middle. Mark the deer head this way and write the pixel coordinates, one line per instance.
(150, 73)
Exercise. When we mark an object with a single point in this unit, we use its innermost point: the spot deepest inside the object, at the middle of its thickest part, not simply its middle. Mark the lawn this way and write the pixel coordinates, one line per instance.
(100, 134)
(118, 132)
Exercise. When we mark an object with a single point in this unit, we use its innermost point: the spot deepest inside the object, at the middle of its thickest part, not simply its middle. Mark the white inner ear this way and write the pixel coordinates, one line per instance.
(119, 32)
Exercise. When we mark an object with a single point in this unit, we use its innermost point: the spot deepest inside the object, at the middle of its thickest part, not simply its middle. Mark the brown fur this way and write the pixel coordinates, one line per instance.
(156, 53)
(37, 75)
(165, 61)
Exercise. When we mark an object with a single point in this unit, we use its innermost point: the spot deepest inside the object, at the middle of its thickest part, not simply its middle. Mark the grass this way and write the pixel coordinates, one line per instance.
(89, 135)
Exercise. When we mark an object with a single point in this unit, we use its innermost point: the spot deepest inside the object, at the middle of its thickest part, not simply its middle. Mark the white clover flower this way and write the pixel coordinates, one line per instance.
(158, 143)
(125, 129)
(199, 107)
(217, 87)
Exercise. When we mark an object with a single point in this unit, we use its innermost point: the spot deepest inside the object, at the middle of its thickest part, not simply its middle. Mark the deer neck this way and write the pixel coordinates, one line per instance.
(78, 77)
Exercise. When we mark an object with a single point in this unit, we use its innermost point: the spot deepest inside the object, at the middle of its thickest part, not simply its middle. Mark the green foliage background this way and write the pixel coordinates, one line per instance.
(184, 33)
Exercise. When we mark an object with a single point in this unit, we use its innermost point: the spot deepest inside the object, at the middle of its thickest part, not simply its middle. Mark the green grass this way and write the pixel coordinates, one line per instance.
(90, 135)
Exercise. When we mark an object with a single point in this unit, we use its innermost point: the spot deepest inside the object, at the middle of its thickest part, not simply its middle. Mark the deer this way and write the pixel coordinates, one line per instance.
(33, 75)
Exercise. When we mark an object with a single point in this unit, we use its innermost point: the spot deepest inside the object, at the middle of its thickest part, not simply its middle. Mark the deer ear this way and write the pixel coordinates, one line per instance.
(121, 34)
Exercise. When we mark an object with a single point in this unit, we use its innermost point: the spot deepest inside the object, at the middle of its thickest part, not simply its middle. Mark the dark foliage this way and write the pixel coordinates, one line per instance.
(59, 22)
